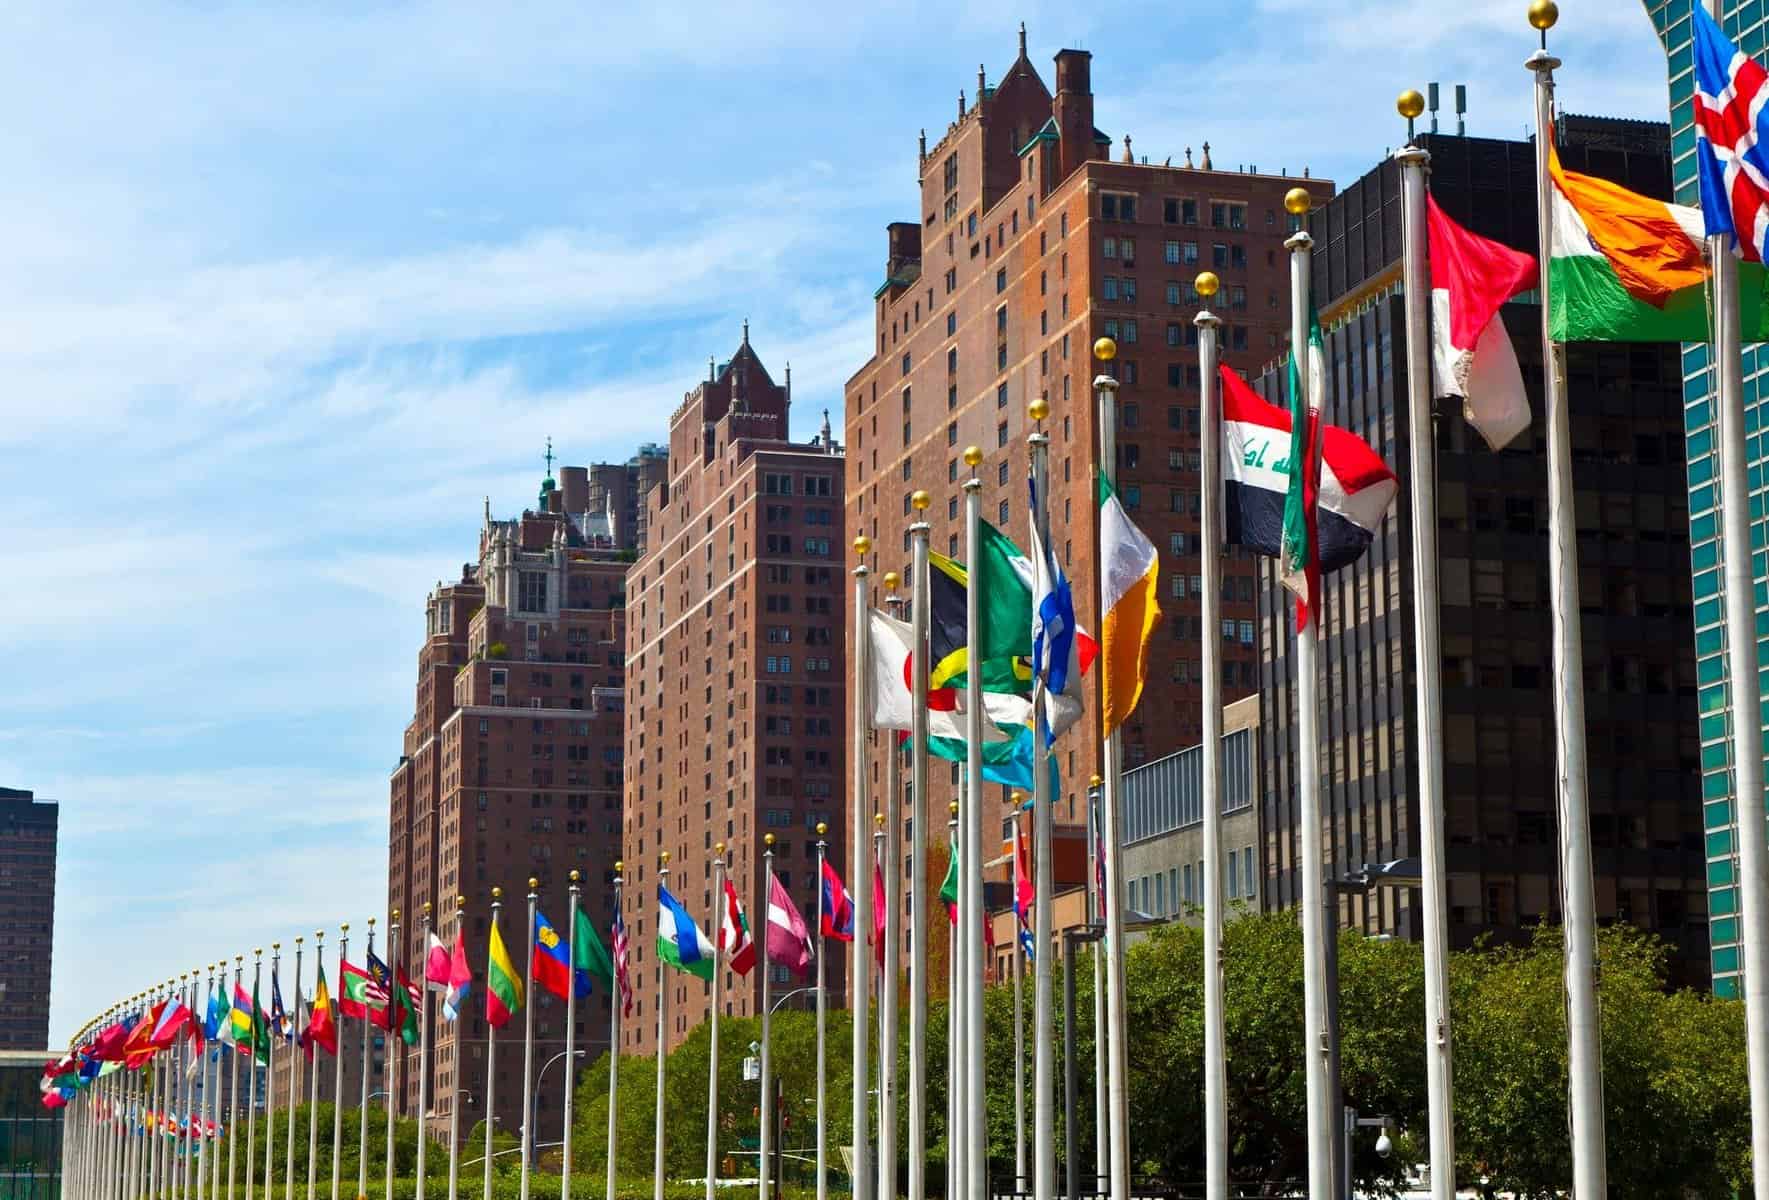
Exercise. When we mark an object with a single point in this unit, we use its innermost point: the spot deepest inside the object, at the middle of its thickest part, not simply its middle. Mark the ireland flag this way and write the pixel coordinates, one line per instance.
(679, 940)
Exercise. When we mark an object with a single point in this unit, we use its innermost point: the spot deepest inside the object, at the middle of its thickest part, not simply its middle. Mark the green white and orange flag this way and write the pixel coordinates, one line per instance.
(503, 983)
(1130, 568)
(1628, 268)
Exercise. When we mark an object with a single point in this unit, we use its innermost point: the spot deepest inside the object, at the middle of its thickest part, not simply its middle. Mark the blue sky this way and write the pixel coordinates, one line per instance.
(288, 288)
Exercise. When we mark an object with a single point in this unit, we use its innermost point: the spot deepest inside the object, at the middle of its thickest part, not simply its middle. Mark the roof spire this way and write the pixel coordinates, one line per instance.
(1022, 39)
(1128, 157)
(549, 457)
(825, 433)
(746, 331)
(1207, 165)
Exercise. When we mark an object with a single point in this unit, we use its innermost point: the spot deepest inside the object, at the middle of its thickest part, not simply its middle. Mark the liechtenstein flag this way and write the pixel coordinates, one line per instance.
(838, 907)
(552, 958)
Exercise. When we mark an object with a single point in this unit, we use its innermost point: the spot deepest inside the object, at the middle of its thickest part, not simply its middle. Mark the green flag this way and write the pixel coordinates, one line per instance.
(260, 1031)
(1299, 560)
(588, 953)
(949, 889)
(1004, 619)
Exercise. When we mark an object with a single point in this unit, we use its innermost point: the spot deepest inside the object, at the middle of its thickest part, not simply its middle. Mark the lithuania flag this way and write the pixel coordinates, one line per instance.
(1627, 268)
(503, 984)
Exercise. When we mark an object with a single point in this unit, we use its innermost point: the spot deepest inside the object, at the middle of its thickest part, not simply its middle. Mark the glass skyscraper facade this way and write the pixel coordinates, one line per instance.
(1745, 23)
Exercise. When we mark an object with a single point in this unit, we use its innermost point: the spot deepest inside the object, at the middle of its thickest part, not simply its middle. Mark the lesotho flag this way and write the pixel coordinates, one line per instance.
(680, 943)
(1354, 492)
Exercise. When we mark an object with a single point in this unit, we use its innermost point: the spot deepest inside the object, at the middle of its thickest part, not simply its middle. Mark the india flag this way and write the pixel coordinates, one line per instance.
(1129, 579)
(1628, 268)
(679, 940)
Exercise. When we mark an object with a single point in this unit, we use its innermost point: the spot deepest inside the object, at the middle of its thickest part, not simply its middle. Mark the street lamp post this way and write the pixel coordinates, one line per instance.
(534, 1108)
(1400, 872)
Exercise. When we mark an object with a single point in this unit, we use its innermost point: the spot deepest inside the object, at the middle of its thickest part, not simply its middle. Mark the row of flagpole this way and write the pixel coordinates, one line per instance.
(147, 1167)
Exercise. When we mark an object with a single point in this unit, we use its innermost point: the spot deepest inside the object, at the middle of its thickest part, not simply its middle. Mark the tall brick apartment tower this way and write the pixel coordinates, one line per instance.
(1030, 244)
(27, 917)
(512, 763)
(734, 651)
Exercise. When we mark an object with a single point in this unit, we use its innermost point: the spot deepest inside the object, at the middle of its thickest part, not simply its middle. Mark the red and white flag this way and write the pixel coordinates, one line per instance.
(789, 940)
(735, 943)
(1471, 355)
(879, 909)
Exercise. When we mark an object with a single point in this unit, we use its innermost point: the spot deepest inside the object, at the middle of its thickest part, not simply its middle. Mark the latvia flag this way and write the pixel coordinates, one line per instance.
(1355, 491)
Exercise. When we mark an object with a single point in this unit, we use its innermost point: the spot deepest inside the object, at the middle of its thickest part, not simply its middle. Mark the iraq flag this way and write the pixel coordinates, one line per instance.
(1356, 486)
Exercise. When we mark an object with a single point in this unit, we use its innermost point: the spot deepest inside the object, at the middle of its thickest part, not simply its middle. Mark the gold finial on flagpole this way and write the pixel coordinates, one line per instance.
(891, 580)
(1297, 202)
(1207, 284)
(1410, 104)
(862, 545)
(1105, 349)
(919, 500)
(972, 456)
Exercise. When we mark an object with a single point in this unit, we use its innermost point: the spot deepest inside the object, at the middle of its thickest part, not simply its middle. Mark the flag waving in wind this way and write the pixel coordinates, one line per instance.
(1056, 652)
(622, 977)
(1130, 579)
(589, 957)
(1731, 161)
(1356, 486)
(735, 943)
(679, 940)
(1023, 893)
(789, 942)
(1299, 562)
(837, 920)
(1471, 354)
(552, 958)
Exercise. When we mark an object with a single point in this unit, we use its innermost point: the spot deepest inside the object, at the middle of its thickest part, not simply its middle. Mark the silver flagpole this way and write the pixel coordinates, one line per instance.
(206, 1102)
(454, 1078)
(162, 1147)
(1422, 501)
(295, 1056)
(614, 1004)
(957, 1077)
(1019, 1022)
(252, 1073)
(954, 1078)
(338, 1066)
(920, 927)
(574, 893)
(1117, 1065)
(878, 1180)
(1102, 1167)
(423, 1052)
(1584, 1057)
(712, 1049)
(233, 1077)
(766, 1141)
(362, 1107)
(395, 1030)
(1746, 690)
(663, 1009)
(319, 962)
(975, 1133)
(860, 960)
(528, 1040)
(1321, 1121)
(822, 1006)
(1210, 553)
(491, 1040)
(1043, 885)
(270, 1080)
(888, 996)
(187, 1101)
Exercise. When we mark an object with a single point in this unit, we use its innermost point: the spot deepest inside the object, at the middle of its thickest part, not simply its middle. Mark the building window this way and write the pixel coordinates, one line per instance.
(905, 364)
(1001, 434)
(531, 593)
(1001, 515)
(951, 323)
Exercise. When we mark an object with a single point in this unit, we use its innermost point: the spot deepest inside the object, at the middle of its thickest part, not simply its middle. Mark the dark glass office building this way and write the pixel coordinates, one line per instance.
(1634, 595)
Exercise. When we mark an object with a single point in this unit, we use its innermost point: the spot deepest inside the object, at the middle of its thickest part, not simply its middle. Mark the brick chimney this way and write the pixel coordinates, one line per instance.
(1073, 110)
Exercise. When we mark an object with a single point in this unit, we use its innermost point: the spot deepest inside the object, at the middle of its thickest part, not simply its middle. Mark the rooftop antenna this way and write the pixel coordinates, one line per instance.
(549, 457)
(1431, 104)
(1461, 108)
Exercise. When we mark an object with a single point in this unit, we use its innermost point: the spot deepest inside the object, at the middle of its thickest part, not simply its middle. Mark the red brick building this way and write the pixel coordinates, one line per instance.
(27, 917)
(512, 765)
(1029, 243)
(735, 695)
